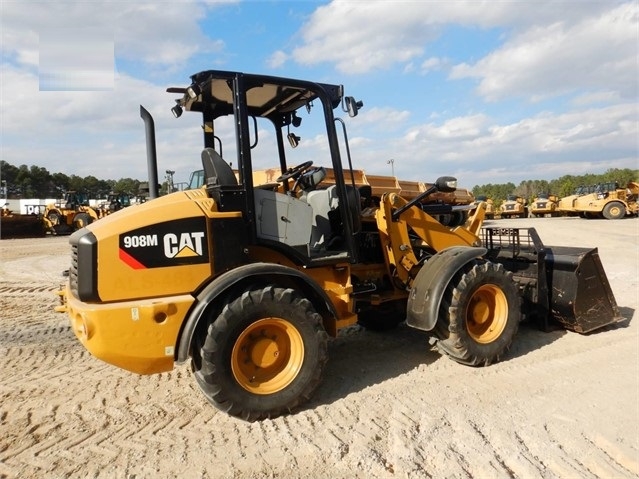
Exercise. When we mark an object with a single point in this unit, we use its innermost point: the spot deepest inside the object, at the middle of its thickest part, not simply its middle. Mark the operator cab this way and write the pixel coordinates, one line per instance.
(253, 122)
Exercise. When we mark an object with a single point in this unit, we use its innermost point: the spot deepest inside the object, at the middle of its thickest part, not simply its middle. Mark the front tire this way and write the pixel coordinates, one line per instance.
(54, 218)
(264, 354)
(479, 315)
(614, 211)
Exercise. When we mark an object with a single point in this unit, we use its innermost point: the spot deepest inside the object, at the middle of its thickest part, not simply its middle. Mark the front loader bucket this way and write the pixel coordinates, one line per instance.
(580, 295)
(564, 282)
(21, 226)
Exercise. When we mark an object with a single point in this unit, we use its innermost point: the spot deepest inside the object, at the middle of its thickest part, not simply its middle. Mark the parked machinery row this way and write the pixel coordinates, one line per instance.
(605, 200)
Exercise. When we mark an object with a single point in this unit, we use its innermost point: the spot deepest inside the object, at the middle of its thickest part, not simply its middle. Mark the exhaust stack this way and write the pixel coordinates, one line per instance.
(151, 155)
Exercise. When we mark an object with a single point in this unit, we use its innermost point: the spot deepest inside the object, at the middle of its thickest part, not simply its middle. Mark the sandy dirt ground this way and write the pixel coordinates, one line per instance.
(560, 405)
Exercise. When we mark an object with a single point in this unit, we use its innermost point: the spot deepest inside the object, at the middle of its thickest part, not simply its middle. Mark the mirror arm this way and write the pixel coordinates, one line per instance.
(396, 214)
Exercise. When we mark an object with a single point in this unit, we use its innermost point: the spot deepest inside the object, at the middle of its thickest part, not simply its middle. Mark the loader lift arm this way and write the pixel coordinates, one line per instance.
(404, 226)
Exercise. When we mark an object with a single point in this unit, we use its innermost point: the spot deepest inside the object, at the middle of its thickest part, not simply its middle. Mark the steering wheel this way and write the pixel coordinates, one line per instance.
(294, 172)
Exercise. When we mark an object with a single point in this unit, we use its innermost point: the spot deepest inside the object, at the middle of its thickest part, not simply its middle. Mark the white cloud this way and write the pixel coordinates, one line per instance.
(24, 106)
(456, 129)
(433, 64)
(165, 33)
(544, 61)
(381, 118)
(360, 37)
(596, 97)
(586, 49)
(478, 150)
(93, 133)
(277, 59)
(548, 48)
(76, 59)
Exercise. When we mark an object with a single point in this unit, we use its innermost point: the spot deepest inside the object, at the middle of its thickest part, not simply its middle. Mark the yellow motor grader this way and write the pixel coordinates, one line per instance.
(248, 281)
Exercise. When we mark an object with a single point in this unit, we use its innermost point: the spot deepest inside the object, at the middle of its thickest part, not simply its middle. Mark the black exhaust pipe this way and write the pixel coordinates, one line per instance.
(151, 155)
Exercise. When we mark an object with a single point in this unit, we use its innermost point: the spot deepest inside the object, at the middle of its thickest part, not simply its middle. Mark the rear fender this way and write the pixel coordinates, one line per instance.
(223, 289)
(431, 281)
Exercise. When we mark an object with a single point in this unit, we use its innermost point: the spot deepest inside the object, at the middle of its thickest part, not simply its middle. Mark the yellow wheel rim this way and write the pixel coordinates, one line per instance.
(615, 211)
(267, 356)
(487, 314)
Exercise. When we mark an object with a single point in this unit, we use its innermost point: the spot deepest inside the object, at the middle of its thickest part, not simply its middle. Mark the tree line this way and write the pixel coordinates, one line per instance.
(37, 182)
(563, 186)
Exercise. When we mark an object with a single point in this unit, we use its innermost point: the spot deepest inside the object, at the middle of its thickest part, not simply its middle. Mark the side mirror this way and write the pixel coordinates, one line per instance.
(352, 106)
(293, 140)
(446, 184)
(296, 121)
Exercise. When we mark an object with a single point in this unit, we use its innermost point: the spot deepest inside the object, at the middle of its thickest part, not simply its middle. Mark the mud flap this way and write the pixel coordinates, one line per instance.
(580, 295)
(431, 281)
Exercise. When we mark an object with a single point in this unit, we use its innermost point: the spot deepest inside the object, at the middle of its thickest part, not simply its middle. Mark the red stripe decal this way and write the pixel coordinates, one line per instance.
(130, 260)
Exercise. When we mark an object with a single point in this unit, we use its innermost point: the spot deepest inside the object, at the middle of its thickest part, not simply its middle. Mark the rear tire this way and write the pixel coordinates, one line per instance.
(81, 220)
(458, 218)
(263, 356)
(479, 315)
(614, 211)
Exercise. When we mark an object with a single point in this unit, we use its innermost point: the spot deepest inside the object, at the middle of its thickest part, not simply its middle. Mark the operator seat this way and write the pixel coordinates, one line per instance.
(327, 230)
(217, 171)
(322, 202)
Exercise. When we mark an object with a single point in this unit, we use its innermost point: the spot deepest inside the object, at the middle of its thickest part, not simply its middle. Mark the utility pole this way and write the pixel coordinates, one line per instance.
(392, 163)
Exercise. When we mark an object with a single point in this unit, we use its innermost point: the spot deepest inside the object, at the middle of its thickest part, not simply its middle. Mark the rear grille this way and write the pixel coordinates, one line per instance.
(83, 273)
(73, 270)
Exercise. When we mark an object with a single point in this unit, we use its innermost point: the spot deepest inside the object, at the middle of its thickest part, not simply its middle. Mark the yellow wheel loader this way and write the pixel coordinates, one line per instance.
(69, 215)
(248, 282)
(114, 202)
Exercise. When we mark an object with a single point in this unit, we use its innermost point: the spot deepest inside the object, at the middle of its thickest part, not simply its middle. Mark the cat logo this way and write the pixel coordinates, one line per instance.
(185, 246)
(178, 242)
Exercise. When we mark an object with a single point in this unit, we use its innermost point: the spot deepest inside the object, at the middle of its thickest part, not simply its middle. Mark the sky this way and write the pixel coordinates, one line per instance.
(488, 92)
